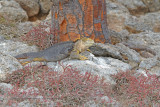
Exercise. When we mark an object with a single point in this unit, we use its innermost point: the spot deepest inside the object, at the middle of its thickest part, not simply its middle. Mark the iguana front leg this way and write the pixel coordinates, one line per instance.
(88, 50)
(76, 55)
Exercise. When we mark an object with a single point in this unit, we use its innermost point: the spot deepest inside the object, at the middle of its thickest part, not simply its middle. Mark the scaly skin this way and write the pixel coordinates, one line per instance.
(81, 46)
(59, 51)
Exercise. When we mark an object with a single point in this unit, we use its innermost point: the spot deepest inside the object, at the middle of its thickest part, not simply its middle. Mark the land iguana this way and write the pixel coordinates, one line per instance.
(59, 51)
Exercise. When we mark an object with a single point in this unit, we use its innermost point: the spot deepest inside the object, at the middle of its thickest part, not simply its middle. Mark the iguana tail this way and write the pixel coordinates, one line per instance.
(28, 55)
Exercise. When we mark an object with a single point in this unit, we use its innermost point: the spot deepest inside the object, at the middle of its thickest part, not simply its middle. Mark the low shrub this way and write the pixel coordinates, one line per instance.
(136, 89)
(42, 35)
(42, 86)
(66, 88)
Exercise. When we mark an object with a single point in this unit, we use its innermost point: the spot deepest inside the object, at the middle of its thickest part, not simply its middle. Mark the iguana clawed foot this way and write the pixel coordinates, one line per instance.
(88, 50)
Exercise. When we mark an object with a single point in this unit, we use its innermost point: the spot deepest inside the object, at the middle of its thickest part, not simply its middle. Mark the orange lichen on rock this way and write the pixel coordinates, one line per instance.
(71, 19)
(81, 17)
(97, 26)
(74, 36)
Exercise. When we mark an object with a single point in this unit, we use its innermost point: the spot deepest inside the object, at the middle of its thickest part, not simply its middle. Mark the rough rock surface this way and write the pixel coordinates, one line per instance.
(11, 10)
(101, 66)
(151, 42)
(150, 39)
(140, 6)
(152, 5)
(30, 6)
(25, 27)
(14, 48)
(134, 6)
(147, 22)
(123, 15)
(149, 63)
(76, 18)
(118, 37)
(45, 5)
(8, 49)
(116, 16)
(8, 64)
(119, 51)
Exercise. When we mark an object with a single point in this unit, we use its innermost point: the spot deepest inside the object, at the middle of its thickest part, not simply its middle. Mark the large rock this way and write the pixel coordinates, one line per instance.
(137, 7)
(45, 5)
(116, 16)
(154, 70)
(30, 6)
(102, 66)
(127, 53)
(11, 10)
(73, 20)
(8, 65)
(147, 22)
(8, 49)
(119, 17)
(119, 51)
(118, 37)
(150, 39)
(134, 6)
(14, 48)
(153, 5)
(140, 6)
(149, 63)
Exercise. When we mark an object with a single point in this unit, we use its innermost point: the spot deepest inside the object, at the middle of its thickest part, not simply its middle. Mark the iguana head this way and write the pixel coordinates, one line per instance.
(87, 42)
